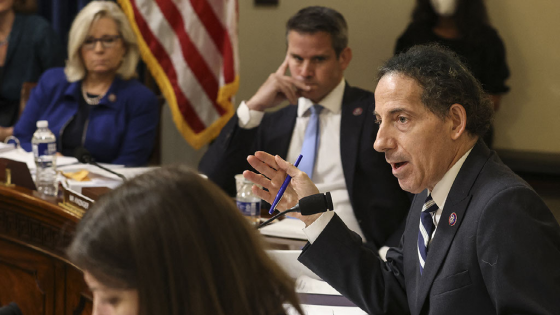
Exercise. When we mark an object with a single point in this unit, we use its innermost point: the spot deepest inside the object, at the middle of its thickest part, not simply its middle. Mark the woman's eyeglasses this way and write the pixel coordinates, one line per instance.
(106, 42)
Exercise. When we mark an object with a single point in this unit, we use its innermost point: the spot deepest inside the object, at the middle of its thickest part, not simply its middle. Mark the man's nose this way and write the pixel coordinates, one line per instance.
(307, 69)
(384, 141)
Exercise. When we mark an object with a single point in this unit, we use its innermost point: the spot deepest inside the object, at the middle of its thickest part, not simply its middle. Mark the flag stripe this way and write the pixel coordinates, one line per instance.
(230, 50)
(191, 55)
(208, 17)
(206, 12)
(165, 61)
(200, 37)
(190, 47)
(185, 80)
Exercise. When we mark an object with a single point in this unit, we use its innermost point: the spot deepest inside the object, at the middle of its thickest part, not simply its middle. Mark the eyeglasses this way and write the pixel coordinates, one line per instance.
(106, 42)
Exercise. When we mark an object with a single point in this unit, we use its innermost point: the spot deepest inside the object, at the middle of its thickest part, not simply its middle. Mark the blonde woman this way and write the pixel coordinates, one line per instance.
(94, 102)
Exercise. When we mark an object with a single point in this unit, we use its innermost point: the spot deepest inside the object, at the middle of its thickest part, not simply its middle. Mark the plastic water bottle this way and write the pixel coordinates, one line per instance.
(44, 151)
(247, 203)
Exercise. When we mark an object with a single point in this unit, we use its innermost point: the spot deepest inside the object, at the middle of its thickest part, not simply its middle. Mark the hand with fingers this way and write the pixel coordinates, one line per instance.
(273, 171)
(277, 88)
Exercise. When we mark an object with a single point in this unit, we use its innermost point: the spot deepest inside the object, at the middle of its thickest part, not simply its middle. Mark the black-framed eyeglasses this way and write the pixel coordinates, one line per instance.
(107, 41)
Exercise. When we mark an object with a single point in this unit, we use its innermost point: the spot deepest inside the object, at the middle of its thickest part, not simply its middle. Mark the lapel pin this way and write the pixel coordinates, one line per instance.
(452, 219)
(112, 97)
(357, 111)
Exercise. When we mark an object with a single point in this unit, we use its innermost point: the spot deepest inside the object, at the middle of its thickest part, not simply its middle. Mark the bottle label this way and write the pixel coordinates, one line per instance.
(249, 208)
(41, 149)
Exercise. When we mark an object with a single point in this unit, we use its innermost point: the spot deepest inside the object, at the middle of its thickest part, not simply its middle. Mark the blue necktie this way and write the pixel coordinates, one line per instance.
(310, 141)
(426, 229)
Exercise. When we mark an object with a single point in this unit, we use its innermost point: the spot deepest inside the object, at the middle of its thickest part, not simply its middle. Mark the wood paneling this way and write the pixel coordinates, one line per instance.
(33, 270)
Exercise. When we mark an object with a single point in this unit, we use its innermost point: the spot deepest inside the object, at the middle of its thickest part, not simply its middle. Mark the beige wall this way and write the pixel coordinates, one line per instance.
(530, 113)
(529, 29)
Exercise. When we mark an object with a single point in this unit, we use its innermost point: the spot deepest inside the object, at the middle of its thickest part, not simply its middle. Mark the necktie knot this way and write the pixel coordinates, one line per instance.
(429, 205)
(315, 109)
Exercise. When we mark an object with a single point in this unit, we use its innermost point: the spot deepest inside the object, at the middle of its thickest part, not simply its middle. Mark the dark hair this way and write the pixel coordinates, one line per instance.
(181, 242)
(315, 19)
(470, 16)
(445, 81)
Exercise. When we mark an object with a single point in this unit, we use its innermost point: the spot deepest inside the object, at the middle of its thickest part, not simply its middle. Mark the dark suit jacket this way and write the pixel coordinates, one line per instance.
(502, 256)
(379, 204)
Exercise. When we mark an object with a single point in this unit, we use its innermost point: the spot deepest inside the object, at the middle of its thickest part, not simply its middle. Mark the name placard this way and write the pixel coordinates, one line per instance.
(75, 202)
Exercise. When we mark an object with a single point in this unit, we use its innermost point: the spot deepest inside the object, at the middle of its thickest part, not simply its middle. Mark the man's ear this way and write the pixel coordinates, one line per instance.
(345, 57)
(458, 116)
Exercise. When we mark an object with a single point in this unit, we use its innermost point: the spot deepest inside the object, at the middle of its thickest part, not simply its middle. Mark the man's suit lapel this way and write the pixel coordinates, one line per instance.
(455, 208)
(353, 114)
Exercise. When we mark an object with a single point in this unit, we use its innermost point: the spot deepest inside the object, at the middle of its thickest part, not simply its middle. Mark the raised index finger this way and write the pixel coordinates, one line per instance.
(283, 67)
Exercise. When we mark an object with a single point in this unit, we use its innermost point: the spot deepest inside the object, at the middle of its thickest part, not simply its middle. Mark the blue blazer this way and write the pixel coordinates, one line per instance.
(379, 204)
(121, 129)
(500, 256)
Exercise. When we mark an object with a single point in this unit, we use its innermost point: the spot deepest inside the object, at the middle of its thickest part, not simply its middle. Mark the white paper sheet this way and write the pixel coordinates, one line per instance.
(100, 177)
(287, 228)
(5, 147)
(327, 310)
(287, 259)
(306, 284)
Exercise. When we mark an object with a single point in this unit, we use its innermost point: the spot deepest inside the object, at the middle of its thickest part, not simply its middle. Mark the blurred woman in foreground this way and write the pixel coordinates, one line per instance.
(170, 242)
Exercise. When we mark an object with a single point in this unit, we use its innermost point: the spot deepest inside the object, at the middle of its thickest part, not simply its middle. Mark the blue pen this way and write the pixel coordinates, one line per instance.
(283, 187)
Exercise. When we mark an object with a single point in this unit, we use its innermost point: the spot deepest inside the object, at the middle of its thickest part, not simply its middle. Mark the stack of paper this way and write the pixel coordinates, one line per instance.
(287, 228)
(4, 147)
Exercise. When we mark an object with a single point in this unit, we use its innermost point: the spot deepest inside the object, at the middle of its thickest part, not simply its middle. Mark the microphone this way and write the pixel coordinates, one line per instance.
(307, 206)
(84, 156)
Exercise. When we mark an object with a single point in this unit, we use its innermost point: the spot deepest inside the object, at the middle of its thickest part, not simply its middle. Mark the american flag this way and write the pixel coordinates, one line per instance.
(190, 47)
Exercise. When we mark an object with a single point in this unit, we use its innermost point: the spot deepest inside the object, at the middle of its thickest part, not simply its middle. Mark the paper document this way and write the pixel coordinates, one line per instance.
(327, 310)
(287, 259)
(100, 177)
(306, 284)
(4, 147)
(287, 228)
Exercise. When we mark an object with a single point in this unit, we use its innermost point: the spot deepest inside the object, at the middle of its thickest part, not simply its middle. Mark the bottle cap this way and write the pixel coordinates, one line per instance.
(42, 124)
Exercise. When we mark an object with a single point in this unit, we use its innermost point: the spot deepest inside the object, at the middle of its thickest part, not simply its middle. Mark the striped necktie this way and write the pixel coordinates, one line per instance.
(310, 141)
(426, 229)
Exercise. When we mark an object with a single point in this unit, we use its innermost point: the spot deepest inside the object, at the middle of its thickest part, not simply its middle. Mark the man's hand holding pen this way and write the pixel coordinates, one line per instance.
(276, 89)
(273, 171)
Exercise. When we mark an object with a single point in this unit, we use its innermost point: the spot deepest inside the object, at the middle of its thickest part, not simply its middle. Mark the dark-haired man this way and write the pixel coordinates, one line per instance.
(478, 239)
(367, 197)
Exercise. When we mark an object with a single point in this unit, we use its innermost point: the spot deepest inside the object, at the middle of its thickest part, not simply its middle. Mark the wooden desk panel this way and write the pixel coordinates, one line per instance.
(33, 270)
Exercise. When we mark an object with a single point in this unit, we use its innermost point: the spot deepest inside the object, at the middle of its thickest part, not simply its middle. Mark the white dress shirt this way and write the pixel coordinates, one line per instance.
(327, 173)
(439, 195)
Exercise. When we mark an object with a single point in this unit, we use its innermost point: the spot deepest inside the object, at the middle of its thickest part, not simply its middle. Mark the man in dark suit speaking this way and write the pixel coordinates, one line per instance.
(478, 239)
(330, 122)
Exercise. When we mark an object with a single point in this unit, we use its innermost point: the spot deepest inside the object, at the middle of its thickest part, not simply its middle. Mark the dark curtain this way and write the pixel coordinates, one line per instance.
(60, 13)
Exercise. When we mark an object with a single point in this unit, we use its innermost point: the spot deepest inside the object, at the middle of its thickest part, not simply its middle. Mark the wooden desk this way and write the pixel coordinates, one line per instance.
(34, 272)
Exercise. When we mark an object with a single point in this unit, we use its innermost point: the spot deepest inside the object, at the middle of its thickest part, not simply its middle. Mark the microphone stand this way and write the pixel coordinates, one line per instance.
(108, 170)
(307, 205)
(267, 222)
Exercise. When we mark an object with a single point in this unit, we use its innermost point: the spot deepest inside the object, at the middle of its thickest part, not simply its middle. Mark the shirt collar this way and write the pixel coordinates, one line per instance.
(442, 188)
(332, 102)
